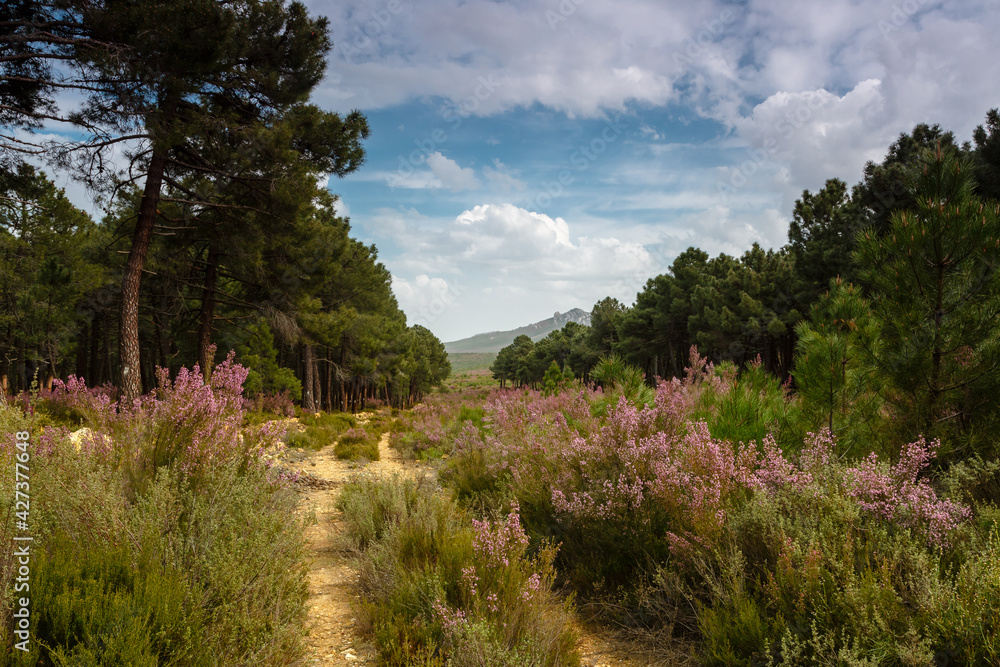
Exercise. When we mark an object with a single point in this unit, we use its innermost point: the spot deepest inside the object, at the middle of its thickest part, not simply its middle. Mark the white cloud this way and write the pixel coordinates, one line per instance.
(424, 298)
(803, 93)
(452, 176)
(512, 247)
(720, 228)
(812, 136)
(444, 173)
(502, 178)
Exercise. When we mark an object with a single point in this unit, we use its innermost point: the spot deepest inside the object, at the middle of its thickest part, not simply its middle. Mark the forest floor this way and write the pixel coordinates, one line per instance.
(334, 635)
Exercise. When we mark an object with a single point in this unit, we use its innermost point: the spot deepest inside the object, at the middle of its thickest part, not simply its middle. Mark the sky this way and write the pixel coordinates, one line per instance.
(532, 156)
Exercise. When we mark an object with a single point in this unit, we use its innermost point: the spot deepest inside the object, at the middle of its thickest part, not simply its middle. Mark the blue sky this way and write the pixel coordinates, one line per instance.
(530, 156)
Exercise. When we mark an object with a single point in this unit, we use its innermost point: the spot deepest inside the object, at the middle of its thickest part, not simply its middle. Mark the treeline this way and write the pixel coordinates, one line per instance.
(196, 131)
(884, 304)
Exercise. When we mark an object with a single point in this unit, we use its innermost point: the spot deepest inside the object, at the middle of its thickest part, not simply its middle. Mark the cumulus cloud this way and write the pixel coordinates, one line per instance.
(425, 298)
(450, 175)
(803, 139)
(487, 57)
(496, 259)
(518, 248)
(798, 94)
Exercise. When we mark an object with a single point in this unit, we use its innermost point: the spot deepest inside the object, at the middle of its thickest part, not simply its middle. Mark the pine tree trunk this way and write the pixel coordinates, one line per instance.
(81, 351)
(22, 368)
(308, 383)
(207, 311)
(340, 378)
(128, 323)
(317, 390)
(95, 353)
(329, 382)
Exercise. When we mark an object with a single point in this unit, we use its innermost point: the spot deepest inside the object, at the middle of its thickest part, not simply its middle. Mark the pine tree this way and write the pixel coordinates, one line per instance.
(180, 69)
(935, 294)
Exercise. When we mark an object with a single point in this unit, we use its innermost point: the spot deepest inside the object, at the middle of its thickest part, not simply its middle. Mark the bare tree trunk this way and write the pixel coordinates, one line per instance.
(128, 323)
(207, 311)
(328, 403)
(308, 382)
(317, 389)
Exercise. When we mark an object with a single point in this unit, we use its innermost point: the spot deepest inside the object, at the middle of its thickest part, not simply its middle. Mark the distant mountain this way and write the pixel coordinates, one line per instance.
(494, 341)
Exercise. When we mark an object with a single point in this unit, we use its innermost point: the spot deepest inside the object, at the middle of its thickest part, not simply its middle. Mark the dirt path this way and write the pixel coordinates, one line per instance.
(333, 637)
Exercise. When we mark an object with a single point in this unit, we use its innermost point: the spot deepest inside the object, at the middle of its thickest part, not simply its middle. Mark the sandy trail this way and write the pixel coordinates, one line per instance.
(333, 637)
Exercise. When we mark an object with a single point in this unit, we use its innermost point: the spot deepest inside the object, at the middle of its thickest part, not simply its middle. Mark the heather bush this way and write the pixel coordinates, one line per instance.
(768, 550)
(428, 431)
(270, 405)
(437, 586)
(160, 537)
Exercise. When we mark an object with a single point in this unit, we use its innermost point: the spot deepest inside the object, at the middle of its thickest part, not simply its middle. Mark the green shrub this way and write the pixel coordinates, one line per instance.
(358, 443)
(318, 432)
(749, 408)
(808, 579)
(99, 604)
(437, 586)
(137, 565)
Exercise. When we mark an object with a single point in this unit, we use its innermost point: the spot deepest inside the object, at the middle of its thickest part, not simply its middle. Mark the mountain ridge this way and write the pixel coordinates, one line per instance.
(494, 341)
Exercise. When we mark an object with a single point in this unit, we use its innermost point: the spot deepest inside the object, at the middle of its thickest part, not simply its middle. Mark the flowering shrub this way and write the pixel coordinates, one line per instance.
(427, 431)
(501, 595)
(185, 421)
(895, 493)
(742, 543)
(434, 582)
(149, 526)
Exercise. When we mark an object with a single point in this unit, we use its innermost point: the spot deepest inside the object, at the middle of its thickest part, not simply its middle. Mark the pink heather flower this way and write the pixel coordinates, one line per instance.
(531, 587)
(896, 494)
(498, 544)
(186, 419)
(470, 580)
(453, 621)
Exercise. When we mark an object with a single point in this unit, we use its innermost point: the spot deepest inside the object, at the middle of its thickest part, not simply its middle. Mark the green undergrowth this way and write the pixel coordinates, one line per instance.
(438, 588)
(160, 564)
(428, 432)
(318, 432)
(705, 521)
